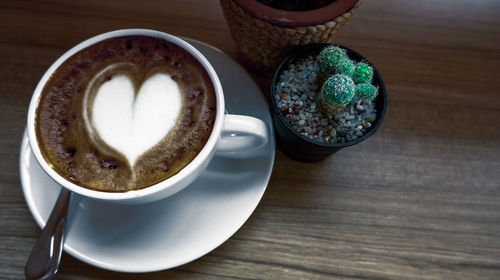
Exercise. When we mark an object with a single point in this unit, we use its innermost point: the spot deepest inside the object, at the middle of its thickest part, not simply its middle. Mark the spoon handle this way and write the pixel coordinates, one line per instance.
(43, 261)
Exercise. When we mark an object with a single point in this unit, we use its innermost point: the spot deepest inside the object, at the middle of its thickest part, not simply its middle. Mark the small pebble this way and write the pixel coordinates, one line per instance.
(349, 117)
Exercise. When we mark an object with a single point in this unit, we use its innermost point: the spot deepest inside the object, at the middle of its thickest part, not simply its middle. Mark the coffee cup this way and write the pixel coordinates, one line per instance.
(133, 116)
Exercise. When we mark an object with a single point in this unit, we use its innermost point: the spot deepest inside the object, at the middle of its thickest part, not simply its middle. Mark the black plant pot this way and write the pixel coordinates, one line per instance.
(301, 148)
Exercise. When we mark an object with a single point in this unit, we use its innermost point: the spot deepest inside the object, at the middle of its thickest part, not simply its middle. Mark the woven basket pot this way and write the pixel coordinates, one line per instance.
(264, 34)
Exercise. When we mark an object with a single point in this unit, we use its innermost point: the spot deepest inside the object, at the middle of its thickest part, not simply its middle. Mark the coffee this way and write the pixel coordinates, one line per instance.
(125, 113)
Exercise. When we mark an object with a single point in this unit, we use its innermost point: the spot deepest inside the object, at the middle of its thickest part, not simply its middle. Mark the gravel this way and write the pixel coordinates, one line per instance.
(296, 99)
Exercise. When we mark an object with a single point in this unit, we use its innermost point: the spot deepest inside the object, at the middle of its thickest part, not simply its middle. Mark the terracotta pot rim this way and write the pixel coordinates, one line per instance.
(296, 18)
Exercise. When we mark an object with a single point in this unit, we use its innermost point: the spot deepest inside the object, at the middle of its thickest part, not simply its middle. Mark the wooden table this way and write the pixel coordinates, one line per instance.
(419, 200)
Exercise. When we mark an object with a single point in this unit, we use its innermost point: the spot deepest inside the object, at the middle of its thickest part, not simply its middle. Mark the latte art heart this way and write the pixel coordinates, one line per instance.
(125, 113)
(133, 123)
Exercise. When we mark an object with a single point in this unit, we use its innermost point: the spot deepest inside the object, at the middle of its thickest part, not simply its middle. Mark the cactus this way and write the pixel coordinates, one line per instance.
(363, 74)
(345, 67)
(341, 79)
(328, 59)
(337, 91)
(366, 91)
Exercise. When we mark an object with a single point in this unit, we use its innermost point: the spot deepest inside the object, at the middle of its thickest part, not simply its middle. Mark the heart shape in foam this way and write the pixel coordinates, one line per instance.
(132, 124)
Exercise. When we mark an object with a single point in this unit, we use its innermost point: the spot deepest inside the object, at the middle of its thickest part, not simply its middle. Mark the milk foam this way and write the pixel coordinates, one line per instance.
(130, 123)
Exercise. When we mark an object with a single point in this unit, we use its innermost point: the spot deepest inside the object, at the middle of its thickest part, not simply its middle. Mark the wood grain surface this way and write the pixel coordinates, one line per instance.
(418, 200)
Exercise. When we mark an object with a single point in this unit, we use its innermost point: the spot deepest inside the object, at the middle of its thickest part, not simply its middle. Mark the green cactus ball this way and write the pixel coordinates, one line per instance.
(366, 91)
(338, 90)
(329, 57)
(345, 67)
(363, 74)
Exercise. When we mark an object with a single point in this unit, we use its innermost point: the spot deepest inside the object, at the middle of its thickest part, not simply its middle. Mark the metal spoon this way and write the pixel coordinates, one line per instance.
(44, 259)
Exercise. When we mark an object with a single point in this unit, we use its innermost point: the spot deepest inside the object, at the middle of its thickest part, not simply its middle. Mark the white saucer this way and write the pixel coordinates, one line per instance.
(181, 228)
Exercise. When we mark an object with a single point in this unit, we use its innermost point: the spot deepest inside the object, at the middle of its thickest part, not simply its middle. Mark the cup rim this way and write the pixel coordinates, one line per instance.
(312, 49)
(177, 178)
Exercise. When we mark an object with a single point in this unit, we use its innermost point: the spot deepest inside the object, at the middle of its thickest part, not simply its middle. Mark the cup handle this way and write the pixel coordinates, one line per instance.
(242, 133)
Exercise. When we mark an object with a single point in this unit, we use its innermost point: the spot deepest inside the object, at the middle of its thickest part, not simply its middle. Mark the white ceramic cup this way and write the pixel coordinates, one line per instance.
(229, 133)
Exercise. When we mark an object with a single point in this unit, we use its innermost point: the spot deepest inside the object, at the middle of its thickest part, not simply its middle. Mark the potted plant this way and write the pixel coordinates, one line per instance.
(325, 98)
(265, 30)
